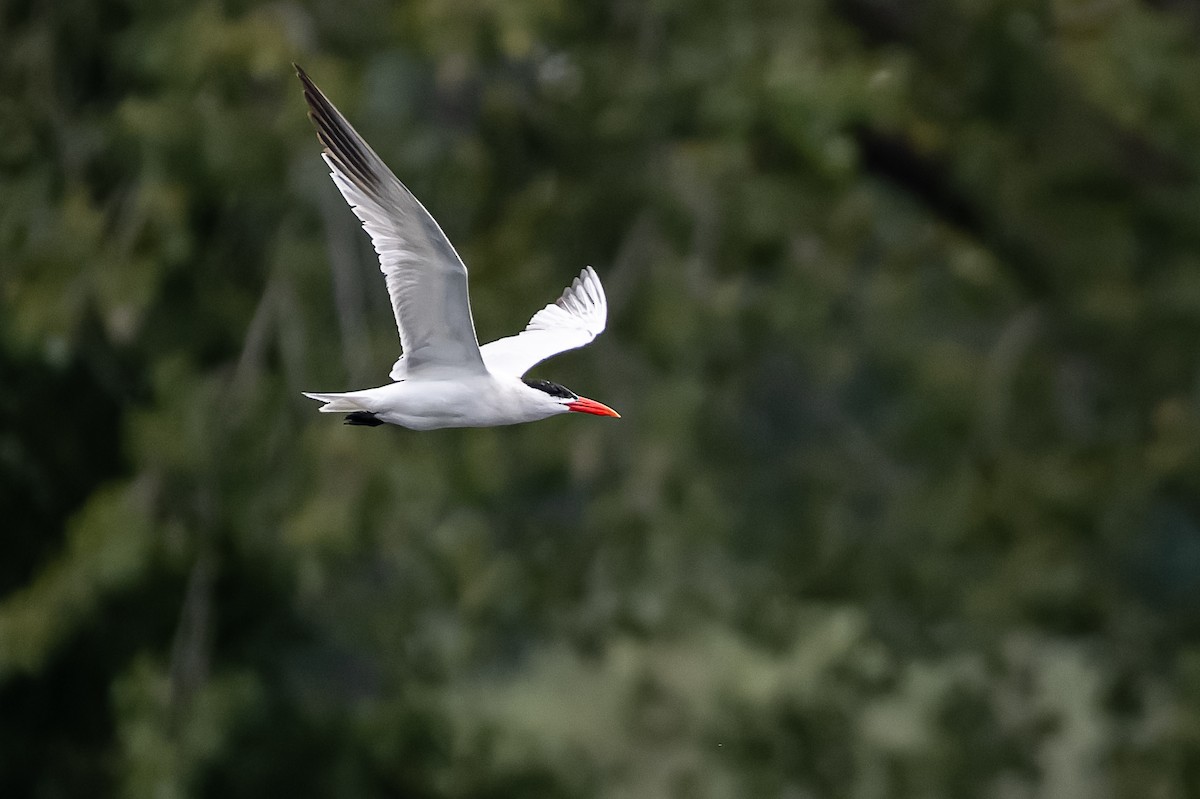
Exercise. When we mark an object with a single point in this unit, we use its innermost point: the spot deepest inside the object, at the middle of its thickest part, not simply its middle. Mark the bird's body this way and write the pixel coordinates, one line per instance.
(484, 400)
(444, 378)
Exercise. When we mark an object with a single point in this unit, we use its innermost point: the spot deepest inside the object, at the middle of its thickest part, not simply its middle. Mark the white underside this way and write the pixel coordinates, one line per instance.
(475, 401)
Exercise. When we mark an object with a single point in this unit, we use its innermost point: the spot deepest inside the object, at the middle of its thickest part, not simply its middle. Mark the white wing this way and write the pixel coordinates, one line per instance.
(426, 279)
(577, 317)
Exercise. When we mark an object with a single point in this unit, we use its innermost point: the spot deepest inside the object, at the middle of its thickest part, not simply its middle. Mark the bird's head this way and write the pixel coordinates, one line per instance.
(565, 399)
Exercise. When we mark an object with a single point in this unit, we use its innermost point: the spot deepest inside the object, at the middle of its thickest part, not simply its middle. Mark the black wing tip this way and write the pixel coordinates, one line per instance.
(313, 97)
(305, 80)
(316, 100)
(339, 140)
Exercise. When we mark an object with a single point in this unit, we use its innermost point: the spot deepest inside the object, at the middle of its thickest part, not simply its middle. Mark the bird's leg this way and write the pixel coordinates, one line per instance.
(363, 418)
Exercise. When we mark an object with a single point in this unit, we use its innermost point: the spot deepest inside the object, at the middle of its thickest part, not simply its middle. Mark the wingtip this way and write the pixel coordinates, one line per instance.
(590, 283)
(311, 92)
(312, 95)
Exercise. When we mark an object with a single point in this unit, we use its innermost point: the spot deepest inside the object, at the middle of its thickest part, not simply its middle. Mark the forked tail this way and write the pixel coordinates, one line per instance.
(345, 403)
(336, 403)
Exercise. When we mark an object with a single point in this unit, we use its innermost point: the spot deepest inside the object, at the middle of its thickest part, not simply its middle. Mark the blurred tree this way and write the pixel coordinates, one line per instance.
(906, 298)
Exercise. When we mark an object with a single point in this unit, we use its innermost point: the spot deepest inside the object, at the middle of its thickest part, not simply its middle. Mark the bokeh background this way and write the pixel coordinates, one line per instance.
(905, 331)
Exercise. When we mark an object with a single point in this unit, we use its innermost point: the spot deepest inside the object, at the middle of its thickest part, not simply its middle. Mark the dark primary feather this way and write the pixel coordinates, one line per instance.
(341, 142)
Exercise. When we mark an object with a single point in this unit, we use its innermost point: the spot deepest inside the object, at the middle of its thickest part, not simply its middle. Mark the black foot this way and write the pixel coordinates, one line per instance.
(363, 418)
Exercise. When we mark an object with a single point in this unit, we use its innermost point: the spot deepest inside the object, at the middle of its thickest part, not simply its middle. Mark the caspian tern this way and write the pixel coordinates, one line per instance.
(444, 378)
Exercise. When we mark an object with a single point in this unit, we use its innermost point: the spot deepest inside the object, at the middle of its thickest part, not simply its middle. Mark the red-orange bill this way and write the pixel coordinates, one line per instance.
(585, 405)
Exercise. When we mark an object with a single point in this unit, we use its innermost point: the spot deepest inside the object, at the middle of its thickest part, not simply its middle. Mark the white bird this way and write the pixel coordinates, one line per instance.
(444, 378)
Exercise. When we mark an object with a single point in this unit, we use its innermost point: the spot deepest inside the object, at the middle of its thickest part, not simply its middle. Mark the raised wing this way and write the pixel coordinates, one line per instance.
(426, 279)
(577, 317)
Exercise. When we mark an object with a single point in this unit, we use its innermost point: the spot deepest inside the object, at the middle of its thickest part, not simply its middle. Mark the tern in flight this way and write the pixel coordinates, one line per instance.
(444, 378)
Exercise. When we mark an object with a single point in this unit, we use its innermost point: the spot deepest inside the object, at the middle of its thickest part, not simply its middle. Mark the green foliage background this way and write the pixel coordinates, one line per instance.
(905, 313)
